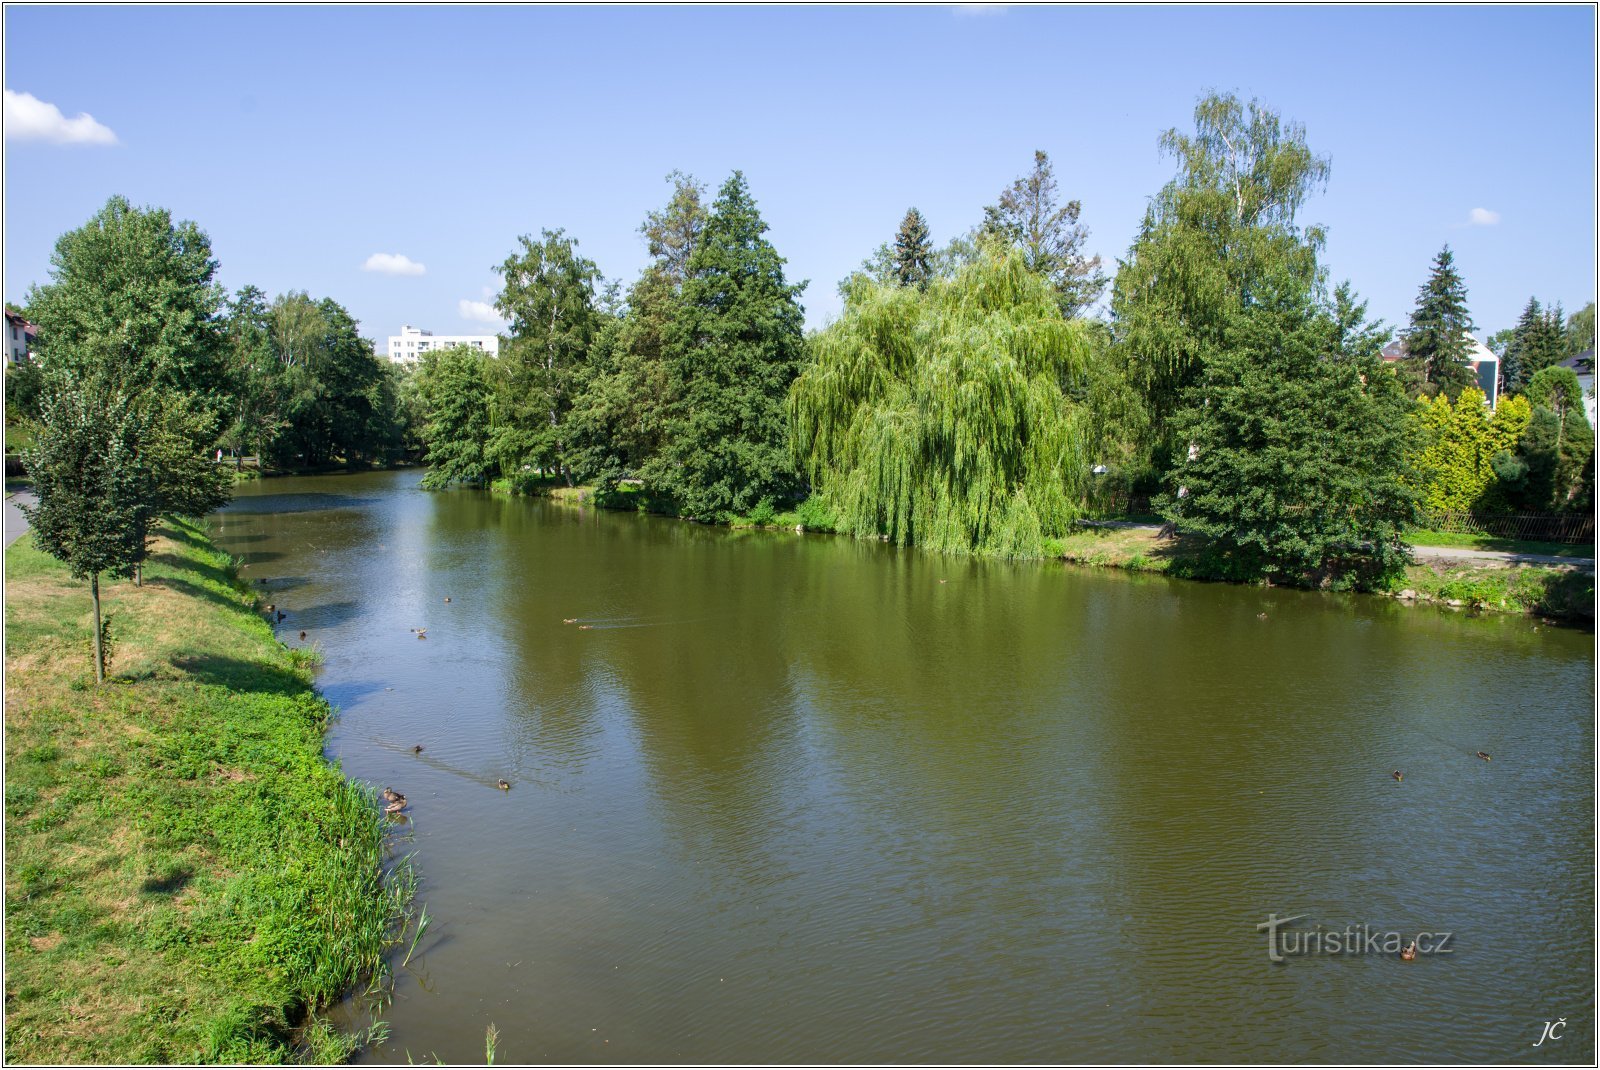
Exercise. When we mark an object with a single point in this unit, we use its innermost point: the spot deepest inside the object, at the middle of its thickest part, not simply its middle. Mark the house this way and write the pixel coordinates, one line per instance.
(1582, 365)
(1480, 358)
(19, 338)
(408, 346)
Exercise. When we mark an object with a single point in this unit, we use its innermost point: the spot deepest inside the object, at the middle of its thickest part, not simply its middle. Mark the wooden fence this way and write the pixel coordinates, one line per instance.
(1535, 527)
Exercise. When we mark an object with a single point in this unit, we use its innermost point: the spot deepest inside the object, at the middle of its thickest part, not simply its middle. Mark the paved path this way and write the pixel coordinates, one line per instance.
(1461, 553)
(1423, 553)
(15, 522)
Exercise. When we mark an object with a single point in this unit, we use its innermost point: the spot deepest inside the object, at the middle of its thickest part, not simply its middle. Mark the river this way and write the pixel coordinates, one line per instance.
(802, 798)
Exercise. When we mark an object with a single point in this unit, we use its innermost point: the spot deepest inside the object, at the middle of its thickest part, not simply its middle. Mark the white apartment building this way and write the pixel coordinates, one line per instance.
(409, 345)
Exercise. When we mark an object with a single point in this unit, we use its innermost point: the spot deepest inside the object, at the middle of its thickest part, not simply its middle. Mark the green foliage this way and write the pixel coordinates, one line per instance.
(95, 500)
(1296, 459)
(1558, 447)
(24, 385)
(1048, 235)
(1580, 331)
(619, 420)
(938, 417)
(1437, 342)
(1463, 457)
(1538, 341)
(1224, 224)
(453, 391)
(913, 251)
(132, 297)
(731, 348)
(548, 294)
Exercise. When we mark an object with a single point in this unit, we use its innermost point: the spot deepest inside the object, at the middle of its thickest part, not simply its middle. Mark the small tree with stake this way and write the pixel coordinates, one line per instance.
(95, 501)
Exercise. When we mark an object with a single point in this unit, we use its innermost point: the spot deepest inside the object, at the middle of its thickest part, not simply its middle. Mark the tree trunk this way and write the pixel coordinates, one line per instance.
(138, 574)
(99, 654)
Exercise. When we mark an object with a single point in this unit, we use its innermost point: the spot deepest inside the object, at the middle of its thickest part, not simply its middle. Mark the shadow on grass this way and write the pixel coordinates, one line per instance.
(170, 884)
(237, 675)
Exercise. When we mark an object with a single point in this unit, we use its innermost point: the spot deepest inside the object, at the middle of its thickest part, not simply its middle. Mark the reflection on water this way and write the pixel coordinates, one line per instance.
(801, 798)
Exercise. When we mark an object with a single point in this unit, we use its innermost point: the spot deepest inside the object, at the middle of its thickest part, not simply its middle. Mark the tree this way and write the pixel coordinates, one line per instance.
(1296, 459)
(94, 497)
(913, 251)
(1456, 456)
(257, 385)
(132, 297)
(1559, 445)
(181, 481)
(1438, 342)
(938, 417)
(453, 390)
(619, 421)
(733, 347)
(1222, 225)
(1049, 235)
(549, 297)
(1580, 331)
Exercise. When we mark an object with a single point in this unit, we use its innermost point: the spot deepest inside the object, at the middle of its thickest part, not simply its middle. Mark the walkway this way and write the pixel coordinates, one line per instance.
(15, 522)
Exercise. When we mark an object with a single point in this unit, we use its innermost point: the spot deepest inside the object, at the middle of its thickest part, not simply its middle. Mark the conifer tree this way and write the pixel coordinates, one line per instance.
(913, 251)
(1049, 235)
(732, 349)
(1437, 343)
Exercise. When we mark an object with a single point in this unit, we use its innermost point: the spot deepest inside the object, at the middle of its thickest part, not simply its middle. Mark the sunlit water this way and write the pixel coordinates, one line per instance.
(803, 798)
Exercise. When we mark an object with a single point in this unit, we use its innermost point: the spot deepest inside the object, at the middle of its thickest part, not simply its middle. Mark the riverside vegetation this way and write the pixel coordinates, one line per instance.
(187, 878)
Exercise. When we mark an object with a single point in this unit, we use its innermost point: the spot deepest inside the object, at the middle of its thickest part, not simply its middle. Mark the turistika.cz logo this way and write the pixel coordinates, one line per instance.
(1284, 943)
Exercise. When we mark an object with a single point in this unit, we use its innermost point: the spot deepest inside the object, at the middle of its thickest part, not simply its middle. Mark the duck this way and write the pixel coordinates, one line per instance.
(1397, 775)
(503, 785)
(1409, 952)
(569, 620)
(585, 627)
(1261, 616)
(302, 636)
(422, 633)
(271, 608)
(390, 795)
(282, 614)
(395, 807)
(1485, 756)
(416, 748)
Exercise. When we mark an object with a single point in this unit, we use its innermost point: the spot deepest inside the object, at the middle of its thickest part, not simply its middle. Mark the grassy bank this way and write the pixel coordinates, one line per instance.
(187, 878)
(1554, 591)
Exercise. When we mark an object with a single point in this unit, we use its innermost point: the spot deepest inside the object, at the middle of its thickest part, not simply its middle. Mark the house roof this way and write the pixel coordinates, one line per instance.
(1477, 351)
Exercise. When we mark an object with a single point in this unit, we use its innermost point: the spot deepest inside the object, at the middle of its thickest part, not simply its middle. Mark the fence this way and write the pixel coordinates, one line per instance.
(1536, 527)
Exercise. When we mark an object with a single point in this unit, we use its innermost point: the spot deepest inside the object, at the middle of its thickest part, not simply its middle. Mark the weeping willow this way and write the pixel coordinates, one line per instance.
(938, 417)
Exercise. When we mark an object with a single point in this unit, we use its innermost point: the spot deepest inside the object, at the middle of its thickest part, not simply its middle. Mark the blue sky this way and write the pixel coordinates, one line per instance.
(304, 140)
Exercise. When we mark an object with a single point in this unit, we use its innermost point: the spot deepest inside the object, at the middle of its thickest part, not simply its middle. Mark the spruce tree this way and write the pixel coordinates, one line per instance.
(1437, 344)
(913, 251)
(1514, 370)
(1048, 233)
(732, 349)
(1296, 463)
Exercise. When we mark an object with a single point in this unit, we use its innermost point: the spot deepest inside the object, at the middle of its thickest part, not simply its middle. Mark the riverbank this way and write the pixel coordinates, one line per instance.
(188, 879)
(1564, 592)
(1468, 578)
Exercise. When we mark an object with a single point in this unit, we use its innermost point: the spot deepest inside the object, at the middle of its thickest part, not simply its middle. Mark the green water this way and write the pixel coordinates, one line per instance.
(801, 798)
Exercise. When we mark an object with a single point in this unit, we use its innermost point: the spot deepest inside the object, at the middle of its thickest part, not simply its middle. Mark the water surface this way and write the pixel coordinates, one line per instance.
(796, 798)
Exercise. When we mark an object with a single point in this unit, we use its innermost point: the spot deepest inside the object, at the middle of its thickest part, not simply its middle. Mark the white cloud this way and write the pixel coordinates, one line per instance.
(27, 118)
(1482, 217)
(393, 264)
(480, 312)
